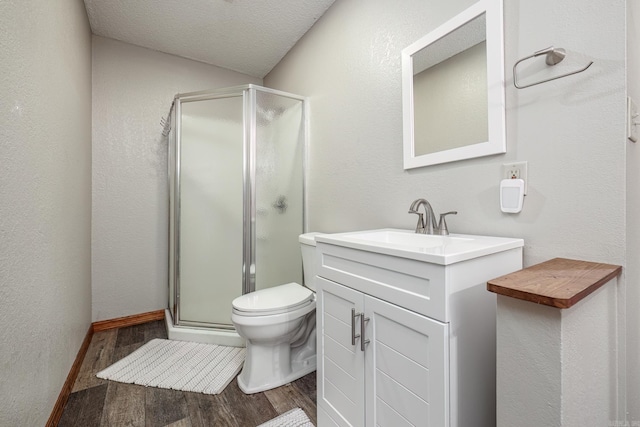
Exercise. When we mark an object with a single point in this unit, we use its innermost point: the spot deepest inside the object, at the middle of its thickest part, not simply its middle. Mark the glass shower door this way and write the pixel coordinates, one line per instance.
(210, 200)
(279, 183)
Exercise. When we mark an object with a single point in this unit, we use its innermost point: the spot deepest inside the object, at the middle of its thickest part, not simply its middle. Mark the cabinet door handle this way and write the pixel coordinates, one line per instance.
(353, 326)
(363, 342)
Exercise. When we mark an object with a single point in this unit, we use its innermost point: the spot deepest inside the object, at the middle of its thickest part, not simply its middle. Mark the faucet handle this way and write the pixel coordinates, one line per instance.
(442, 224)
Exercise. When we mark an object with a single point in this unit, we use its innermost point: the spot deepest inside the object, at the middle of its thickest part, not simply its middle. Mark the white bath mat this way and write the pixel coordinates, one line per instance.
(294, 418)
(178, 365)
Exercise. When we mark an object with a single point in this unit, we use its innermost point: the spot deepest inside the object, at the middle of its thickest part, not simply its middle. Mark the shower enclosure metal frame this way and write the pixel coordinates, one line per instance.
(249, 94)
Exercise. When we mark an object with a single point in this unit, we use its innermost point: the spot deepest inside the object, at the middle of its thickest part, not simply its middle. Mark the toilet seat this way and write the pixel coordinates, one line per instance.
(275, 300)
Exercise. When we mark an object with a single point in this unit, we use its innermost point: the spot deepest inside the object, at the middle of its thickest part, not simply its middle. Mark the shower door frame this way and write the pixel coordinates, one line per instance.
(249, 136)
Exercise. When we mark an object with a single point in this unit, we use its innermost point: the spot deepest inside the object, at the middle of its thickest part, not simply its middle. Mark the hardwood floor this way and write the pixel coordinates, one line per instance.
(97, 402)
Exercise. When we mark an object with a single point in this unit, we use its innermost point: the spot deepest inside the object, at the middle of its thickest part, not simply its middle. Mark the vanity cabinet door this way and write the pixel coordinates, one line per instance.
(340, 362)
(406, 367)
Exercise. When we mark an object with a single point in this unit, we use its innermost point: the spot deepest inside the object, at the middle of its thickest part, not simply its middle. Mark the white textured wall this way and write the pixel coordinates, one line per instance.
(571, 131)
(133, 88)
(45, 201)
(528, 340)
(555, 366)
(590, 391)
(633, 219)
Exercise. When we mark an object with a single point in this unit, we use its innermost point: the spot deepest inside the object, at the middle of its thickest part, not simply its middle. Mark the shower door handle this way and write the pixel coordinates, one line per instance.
(281, 204)
(353, 326)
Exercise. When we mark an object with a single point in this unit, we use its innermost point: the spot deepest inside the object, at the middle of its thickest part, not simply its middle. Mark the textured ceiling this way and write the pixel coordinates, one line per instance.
(248, 36)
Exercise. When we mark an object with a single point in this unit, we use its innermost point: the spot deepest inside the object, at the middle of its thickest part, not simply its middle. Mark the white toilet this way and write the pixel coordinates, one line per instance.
(279, 325)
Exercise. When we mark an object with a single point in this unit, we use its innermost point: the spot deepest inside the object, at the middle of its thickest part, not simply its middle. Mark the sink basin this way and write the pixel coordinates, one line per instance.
(400, 238)
(423, 247)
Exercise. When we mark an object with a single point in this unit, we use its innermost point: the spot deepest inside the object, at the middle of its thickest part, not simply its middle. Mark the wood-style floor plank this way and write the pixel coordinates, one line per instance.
(307, 386)
(85, 406)
(124, 405)
(123, 351)
(98, 357)
(186, 422)
(289, 396)
(164, 407)
(96, 402)
(209, 410)
(247, 409)
(131, 335)
(155, 330)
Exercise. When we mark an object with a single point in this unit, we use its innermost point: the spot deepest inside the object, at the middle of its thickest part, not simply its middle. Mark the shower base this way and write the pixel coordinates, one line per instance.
(201, 335)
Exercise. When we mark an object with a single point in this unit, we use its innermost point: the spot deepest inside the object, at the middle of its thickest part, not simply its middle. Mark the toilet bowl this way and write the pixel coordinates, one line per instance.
(279, 325)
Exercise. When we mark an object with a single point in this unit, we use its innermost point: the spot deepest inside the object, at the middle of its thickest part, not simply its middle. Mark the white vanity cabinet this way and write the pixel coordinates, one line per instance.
(401, 366)
(404, 342)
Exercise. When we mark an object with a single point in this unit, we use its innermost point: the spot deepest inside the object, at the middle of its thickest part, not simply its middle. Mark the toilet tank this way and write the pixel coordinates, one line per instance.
(308, 249)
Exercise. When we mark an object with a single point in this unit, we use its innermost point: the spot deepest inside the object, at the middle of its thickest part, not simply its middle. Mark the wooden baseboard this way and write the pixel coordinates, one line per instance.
(58, 408)
(102, 325)
(122, 322)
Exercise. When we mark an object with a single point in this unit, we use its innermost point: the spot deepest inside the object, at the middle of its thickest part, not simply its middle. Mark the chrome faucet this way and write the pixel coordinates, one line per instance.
(423, 227)
(428, 225)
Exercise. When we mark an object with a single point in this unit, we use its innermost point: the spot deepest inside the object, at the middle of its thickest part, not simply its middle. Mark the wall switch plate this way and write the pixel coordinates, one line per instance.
(516, 170)
(632, 120)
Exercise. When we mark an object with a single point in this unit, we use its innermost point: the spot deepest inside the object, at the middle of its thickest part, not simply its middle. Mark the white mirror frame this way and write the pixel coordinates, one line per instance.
(495, 88)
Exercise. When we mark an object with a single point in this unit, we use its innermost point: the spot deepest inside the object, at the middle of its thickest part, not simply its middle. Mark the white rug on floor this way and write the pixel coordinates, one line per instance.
(178, 365)
(294, 418)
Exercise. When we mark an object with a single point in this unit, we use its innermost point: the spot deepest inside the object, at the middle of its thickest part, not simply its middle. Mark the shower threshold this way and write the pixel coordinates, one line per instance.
(201, 335)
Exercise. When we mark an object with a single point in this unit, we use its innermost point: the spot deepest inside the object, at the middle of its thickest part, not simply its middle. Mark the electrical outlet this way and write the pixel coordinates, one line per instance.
(516, 170)
(513, 173)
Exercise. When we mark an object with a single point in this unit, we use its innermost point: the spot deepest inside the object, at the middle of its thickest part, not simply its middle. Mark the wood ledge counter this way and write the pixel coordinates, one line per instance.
(559, 282)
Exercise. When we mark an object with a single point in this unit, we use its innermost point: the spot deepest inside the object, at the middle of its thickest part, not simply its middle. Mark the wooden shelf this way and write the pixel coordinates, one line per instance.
(559, 282)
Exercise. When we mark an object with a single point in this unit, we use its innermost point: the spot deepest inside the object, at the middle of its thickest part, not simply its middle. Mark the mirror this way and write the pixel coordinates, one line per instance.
(453, 89)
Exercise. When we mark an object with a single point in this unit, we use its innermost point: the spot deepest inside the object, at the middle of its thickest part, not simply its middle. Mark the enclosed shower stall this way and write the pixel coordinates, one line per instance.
(236, 203)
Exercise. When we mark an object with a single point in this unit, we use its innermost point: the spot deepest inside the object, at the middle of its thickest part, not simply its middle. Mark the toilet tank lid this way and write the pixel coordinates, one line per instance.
(309, 238)
(276, 298)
